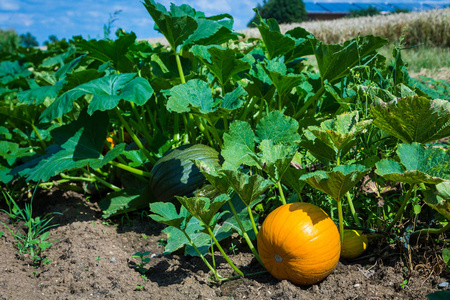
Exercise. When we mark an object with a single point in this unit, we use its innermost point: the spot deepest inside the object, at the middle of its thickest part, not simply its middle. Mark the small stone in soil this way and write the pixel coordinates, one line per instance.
(443, 285)
(113, 259)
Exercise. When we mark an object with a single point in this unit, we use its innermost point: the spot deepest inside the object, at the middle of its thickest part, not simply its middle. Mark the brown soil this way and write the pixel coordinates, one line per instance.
(92, 258)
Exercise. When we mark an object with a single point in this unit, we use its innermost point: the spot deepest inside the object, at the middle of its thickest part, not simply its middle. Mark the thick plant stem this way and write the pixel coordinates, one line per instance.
(352, 209)
(432, 230)
(283, 199)
(250, 214)
(93, 178)
(308, 103)
(401, 209)
(130, 169)
(341, 220)
(180, 68)
(134, 137)
(244, 234)
(43, 145)
(218, 277)
(223, 252)
(214, 132)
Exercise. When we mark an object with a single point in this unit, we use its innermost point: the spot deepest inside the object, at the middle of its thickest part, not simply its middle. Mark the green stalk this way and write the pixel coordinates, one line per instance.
(214, 131)
(203, 129)
(283, 199)
(43, 145)
(341, 220)
(131, 169)
(401, 209)
(180, 68)
(352, 209)
(432, 230)
(94, 178)
(134, 137)
(223, 252)
(248, 108)
(105, 183)
(244, 233)
(250, 214)
(308, 103)
(218, 277)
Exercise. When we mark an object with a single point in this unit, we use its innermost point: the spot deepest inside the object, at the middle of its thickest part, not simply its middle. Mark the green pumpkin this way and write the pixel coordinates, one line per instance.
(175, 174)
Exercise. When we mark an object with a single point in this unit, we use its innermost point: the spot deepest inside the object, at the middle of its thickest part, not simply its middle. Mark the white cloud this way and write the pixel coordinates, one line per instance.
(9, 5)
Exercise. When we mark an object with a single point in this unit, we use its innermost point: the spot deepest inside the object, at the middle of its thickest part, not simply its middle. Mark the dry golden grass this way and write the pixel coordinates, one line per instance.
(430, 27)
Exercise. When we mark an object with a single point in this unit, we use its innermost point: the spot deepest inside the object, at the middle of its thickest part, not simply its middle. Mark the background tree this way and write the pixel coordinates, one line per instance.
(284, 11)
(370, 11)
(9, 41)
(28, 40)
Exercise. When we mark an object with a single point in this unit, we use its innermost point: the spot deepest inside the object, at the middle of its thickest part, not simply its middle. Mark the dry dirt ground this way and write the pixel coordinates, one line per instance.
(92, 258)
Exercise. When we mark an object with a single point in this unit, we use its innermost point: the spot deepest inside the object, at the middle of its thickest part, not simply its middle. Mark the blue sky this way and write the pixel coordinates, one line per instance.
(65, 18)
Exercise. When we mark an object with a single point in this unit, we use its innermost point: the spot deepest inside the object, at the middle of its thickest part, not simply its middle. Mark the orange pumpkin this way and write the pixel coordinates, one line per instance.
(299, 242)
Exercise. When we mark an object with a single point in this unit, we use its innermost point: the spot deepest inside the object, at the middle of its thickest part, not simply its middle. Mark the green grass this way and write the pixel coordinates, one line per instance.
(418, 58)
(428, 61)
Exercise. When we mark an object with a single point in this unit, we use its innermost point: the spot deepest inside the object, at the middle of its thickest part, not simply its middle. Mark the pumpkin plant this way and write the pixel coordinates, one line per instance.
(300, 243)
(336, 183)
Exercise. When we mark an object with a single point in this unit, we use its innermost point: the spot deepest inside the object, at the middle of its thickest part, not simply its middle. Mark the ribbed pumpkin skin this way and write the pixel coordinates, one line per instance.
(175, 174)
(355, 243)
(300, 243)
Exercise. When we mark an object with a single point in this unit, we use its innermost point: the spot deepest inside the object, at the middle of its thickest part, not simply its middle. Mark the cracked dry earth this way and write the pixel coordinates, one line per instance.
(91, 258)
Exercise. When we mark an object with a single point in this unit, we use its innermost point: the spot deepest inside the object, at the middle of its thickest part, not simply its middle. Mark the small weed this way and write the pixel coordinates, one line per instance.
(1, 233)
(33, 241)
(144, 236)
(404, 284)
(162, 242)
(98, 259)
(139, 287)
(144, 261)
(233, 248)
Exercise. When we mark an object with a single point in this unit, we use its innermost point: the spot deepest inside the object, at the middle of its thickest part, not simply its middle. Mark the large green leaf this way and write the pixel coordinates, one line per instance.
(439, 199)
(176, 239)
(339, 133)
(418, 164)
(278, 128)
(193, 94)
(176, 25)
(284, 82)
(123, 201)
(292, 45)
(38, 95)
(414, 119)
(213, 175)
(239, 143)
(106, 91)
(337, 182)
(166, 213)
(248, 187)
(335, 61)
(204, 208)
(220, 61)
(111, 51)
(79, 143)
(274, 159)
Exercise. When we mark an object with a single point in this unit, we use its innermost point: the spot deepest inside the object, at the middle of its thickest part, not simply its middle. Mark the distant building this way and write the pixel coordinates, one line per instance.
(322, 10)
